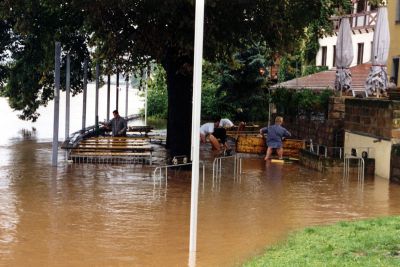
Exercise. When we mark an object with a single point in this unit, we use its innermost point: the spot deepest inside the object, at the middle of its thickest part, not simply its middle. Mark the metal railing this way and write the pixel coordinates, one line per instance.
(159, 170)
(360, 167)
(217, 166)
(339, 152)
(99, 159)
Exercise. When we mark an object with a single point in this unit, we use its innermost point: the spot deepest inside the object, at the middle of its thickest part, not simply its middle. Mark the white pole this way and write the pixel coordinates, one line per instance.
(117, 92)
(56, 102)
(145, 95)
(85, 76)
(96, 107)
(67, 96)
(108, 96)
(126, 99)
(198, 60)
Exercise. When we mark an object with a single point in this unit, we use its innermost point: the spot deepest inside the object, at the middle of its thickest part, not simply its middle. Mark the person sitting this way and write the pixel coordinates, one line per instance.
(275, 134)
(118, 125)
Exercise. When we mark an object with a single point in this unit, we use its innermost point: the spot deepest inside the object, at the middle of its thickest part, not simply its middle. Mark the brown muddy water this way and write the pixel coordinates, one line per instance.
(114, 215)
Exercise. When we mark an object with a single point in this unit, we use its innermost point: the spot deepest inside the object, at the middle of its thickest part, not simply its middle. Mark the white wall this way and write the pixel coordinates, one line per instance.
(330, 41)
(381, 151)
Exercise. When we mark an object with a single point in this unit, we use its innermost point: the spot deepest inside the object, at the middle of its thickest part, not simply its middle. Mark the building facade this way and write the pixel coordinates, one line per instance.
(362, 21)
(394, 27)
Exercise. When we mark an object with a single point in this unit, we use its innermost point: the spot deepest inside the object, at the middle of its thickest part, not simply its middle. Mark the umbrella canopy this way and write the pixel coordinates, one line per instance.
(344, 56)
(377, 79)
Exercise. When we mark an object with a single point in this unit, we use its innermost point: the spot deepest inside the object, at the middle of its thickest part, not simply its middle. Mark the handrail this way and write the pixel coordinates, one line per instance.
(360, 167)
(166, 167)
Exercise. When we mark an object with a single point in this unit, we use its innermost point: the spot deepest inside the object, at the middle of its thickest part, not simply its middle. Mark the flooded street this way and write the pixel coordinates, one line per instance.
(114, 215)
(110, 215)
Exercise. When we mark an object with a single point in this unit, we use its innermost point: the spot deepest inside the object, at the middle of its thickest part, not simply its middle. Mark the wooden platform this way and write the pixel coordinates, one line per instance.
(113, 150)
(256, 144)
(140, 129)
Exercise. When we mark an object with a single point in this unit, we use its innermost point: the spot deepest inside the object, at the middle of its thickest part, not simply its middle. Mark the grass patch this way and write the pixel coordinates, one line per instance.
(362, 243)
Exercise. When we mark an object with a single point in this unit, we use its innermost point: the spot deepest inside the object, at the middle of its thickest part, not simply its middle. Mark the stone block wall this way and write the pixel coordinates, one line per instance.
(328, 132)
(336, 109)
(374, 117)
(333, 165)
(395, 164)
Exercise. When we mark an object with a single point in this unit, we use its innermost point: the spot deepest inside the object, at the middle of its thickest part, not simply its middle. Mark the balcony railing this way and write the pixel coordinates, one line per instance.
(358, 21)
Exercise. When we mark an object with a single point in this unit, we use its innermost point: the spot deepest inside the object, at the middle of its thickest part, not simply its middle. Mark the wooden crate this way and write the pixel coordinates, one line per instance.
(250, 144)
(291, 147)
(256, 145)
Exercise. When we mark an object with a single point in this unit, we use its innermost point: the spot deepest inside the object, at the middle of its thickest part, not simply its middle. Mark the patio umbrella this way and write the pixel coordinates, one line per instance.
(344, 56)
(377, 78)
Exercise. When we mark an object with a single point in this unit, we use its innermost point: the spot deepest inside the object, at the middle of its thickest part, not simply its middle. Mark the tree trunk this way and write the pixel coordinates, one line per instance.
(179, 71)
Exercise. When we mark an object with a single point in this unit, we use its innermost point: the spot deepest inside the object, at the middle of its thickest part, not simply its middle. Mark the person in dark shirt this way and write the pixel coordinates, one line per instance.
(275, 134)
(118, 125)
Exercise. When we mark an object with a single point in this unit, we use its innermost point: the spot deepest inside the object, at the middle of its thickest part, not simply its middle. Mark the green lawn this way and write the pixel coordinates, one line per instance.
(361, 243)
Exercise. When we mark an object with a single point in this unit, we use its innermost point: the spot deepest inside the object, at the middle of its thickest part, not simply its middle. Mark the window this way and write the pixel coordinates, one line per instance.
(361, 6)
(372, 52)
(374, 7)
(324, 53)
(395, 69)
(360, 53)
(334, 56)
(398, 11)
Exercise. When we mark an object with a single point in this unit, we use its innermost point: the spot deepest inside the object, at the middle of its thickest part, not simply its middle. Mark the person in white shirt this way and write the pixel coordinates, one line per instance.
(211, 131)
(206, 131)
(226, 123)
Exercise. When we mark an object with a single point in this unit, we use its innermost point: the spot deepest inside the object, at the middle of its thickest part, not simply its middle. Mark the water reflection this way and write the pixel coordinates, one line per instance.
(108, 215)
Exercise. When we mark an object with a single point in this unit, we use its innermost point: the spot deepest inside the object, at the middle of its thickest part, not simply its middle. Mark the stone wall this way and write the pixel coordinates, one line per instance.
(395, 164)
(332, 165)
(373, 117)
(325, 132)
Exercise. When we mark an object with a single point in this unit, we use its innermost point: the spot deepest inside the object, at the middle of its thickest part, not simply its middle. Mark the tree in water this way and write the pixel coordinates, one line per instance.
(128, 34)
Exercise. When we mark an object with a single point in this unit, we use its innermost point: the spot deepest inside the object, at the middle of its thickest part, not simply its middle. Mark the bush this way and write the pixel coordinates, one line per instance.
(157, 97)
(301, 102)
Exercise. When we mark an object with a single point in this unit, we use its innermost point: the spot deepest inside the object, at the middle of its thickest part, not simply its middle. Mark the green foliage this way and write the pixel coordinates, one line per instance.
(218, 95)
(212, 104)
(242, 84)
(157, 98)
(30, 29)
(363, 243)
(377, 2)
(308, 70)
(301, 102)
(285, 71)
(304, 54)
(126, 35)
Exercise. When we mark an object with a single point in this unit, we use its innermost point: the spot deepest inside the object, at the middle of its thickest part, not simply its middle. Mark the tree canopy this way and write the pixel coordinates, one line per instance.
(126, 34)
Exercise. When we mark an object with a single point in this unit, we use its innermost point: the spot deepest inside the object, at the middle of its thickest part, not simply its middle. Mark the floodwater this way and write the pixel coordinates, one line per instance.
(115, 215)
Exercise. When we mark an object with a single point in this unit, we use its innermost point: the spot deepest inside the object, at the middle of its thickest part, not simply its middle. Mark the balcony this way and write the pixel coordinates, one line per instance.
(360, 22)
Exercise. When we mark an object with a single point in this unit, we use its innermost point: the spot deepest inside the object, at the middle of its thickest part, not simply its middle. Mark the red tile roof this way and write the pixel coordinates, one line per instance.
(326, 79)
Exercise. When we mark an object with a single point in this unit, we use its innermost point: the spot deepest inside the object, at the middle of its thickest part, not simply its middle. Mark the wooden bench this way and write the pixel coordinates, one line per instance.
(106, 148)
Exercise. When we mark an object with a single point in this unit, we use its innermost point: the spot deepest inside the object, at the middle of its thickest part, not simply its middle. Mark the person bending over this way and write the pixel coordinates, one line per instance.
(211, 131)
(275, 134)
